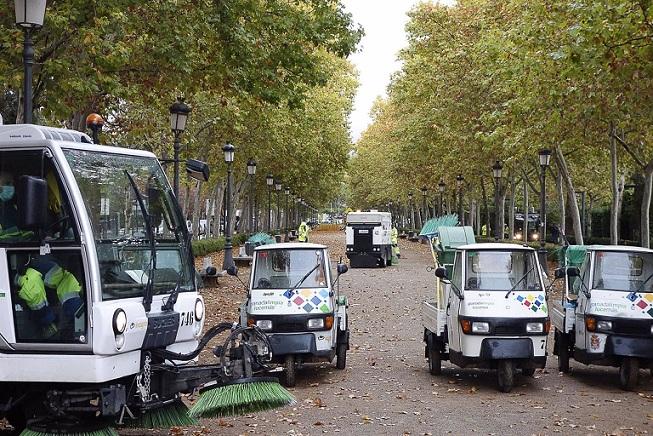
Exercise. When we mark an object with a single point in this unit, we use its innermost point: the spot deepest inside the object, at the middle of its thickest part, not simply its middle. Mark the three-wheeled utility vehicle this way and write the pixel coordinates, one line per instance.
(293, 298)
(100, 315)
(605, 316)
(491, 312)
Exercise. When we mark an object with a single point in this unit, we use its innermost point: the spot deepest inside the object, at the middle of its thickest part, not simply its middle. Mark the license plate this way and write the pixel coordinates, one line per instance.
(363, 232)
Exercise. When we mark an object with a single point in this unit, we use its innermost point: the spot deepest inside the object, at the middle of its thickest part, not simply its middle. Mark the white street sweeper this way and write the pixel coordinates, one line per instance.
(100, 316)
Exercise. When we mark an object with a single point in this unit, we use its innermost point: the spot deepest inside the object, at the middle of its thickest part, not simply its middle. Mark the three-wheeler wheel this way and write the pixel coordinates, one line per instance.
(562, 346)
(506, 375)
(289, 378)
(434, 358)
(341, 356)
(629, 373)
(528, 372)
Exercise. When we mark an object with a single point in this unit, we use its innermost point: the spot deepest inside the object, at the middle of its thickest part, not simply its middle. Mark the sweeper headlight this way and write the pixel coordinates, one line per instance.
(119, 322)
(199, 310)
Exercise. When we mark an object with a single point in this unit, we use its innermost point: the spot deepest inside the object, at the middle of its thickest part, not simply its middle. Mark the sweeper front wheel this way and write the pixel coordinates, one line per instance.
(289, 378)
(629, 373)
(506, 375)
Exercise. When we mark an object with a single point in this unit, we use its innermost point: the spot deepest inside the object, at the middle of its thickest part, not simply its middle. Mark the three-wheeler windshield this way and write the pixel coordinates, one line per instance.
(489, 270)
(623, 271)
(121, 238)
(282, 269)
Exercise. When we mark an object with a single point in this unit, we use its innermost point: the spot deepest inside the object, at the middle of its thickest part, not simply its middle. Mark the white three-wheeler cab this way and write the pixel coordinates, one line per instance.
(492, 314)
(292, 299)
(100, 315)
(605, 316)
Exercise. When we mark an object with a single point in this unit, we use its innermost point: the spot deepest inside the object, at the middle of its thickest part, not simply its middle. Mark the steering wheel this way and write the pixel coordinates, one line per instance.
(264, 283)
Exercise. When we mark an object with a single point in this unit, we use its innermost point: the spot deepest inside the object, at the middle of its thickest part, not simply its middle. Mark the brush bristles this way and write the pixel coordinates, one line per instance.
(104, 432)
(241, 399)
(172, 415)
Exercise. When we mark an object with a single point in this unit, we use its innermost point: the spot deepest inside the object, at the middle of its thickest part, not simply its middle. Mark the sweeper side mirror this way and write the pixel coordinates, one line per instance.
(441, 273)
(32, 202)
(342, 268)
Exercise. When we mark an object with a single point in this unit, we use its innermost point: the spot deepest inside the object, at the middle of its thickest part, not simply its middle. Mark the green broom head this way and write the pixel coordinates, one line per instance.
(173, 414)
(69, 428)
(241, 397)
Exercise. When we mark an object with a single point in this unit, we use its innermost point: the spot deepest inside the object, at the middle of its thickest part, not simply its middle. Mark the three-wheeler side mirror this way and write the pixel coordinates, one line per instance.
(32, 202)
(342, 268)
(441, 273)
(573, 271)
(232, 270)
(197, 170)
(559, 273)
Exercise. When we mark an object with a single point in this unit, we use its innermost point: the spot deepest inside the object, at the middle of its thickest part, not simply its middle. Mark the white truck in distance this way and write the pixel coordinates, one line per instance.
(369, 241)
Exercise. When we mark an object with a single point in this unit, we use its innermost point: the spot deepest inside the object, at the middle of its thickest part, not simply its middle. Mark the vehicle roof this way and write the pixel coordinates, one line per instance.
(290, 246)
(618, 248)
(494, 246)
(30, 135)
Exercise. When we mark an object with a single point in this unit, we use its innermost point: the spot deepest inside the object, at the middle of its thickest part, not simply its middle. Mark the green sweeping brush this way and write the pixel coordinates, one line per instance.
(53, 430)
(174, 414)
(241, 397)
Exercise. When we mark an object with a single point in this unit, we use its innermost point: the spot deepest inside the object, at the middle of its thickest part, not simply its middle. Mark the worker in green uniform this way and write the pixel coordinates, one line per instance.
(303, 232)
(395, 244)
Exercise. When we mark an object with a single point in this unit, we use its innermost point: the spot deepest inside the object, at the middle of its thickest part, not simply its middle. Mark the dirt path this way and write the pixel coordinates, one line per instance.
(386, 388)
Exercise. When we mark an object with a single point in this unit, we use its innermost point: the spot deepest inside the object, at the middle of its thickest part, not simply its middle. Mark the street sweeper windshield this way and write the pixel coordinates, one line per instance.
(281, 269)
(120, 228)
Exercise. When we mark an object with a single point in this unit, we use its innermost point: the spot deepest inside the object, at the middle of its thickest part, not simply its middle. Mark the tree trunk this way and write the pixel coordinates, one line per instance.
(614, 210)
(502, 210)
(562, 204)
(487, 209)
(218, 199)
(197, 194)
(571, 193)
(511, 213)
(646, 206)
(524, 232)
(472, 214)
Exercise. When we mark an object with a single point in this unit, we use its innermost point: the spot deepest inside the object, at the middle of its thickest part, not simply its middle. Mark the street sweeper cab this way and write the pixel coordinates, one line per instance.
(100, 316)
(294, 299)
(490, 312)
(605, 315)
(369, 239)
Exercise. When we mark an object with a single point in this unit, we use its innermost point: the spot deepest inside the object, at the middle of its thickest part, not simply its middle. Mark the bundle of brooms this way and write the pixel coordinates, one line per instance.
(172, 414)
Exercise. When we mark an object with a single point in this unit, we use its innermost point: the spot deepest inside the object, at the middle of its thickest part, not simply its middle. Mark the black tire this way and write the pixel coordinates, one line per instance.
(434, 358)
(506, 375)
(629, 373)
(389, 261)
(382, 262)
(341, 356)
(562, 345)
(528, 372)
(289, 377)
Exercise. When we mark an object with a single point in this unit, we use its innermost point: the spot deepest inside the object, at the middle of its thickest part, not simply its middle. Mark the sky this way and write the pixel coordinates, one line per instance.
(376, 60)
(384, 22)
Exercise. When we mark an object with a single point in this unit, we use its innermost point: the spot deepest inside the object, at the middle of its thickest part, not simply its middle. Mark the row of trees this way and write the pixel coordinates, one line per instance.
(270, 76)
(485, 80)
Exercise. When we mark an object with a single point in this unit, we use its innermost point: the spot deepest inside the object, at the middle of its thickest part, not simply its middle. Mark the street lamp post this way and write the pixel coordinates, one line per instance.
(441, 187)
(287, 215)
(228, 150)
(425, 212)
(277, 187)
(179, 112)
(269, 180)
(497, 169)
(29, 17)
(545, 161)
(251, 171)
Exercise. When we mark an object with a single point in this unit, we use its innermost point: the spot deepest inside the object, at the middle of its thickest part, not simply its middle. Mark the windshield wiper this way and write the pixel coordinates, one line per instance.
(305, 277)
(639, 288)
(519, 281)
(147, 294)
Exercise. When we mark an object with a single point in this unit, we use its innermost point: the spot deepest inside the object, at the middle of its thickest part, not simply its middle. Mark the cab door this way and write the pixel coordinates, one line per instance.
(453, 304)
(582, 284)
